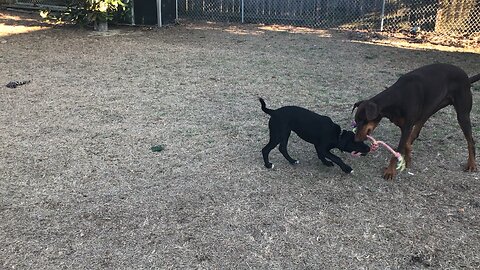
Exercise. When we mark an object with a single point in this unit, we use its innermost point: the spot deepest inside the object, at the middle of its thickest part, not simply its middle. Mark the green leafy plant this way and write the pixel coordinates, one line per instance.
(88, 11)
(102, 10)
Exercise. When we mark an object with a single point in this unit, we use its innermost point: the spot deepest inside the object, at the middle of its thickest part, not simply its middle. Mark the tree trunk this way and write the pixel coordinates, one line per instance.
(100, 26)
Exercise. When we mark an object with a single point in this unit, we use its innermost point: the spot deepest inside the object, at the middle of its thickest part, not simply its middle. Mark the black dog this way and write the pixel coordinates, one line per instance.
(313, 128)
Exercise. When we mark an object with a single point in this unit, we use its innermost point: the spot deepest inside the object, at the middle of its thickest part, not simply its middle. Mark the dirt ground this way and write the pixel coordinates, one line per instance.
(80, 187)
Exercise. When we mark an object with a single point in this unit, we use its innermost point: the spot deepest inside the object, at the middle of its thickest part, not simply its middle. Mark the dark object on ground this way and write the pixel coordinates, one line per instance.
(313, 128)
(157, 148)
(15, 84)
(410, 101)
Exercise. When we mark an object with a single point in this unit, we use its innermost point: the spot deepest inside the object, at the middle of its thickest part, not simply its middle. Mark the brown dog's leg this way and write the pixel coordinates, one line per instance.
(467, 131)
(463, 106)
(411, 139)
(391, 170)
(471, 165)
(408, 154)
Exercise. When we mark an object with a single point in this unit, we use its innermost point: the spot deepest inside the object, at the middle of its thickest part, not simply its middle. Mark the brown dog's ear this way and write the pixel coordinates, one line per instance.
(356, 105)
(371, 111)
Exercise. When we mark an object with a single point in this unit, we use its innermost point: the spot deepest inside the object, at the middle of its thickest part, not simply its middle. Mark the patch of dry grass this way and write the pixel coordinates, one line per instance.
(81, 188)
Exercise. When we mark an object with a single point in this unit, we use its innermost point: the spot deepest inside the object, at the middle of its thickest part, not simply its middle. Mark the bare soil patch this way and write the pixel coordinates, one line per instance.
(80, 186)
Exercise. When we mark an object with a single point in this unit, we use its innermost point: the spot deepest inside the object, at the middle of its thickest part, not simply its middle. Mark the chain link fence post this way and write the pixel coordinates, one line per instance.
(382, 16)
(243, 11)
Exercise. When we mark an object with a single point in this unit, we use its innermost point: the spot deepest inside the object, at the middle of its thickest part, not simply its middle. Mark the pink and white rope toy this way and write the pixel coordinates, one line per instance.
(376, 144)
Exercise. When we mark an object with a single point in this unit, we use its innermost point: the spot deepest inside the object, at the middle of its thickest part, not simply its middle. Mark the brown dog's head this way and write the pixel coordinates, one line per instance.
(367, 118)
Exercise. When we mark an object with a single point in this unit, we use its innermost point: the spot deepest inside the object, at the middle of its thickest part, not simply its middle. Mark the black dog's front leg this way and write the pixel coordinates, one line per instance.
(321, 156)
(339, 162)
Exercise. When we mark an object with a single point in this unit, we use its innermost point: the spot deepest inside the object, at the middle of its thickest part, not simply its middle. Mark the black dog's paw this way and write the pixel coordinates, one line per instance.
(347, 169)
(269, 165)
(295, 162)
(328, 163)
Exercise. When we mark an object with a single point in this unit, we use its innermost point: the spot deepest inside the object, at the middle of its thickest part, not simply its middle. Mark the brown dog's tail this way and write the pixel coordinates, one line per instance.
(264, 106)
(474, 78)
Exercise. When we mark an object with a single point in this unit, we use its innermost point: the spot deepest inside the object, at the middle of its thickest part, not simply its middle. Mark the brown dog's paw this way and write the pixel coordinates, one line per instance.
(389, 174)
(470, 167)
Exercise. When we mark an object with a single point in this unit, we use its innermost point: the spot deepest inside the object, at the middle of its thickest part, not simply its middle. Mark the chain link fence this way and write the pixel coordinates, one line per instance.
(443, 16)
(42, 2)
(447, 16)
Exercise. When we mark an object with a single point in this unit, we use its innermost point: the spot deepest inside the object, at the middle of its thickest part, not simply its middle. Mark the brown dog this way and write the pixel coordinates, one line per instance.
(410, 101)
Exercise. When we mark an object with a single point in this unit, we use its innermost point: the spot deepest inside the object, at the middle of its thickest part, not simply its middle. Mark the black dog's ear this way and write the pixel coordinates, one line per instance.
(356, 105)
(371, 111)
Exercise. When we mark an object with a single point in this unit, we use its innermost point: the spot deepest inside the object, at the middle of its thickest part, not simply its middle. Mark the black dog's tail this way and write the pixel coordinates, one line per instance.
(264, 107)
(474, 78)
